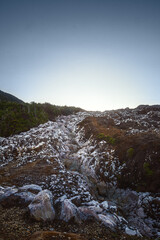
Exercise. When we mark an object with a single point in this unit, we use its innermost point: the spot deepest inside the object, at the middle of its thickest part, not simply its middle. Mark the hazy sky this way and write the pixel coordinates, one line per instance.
(95, 54)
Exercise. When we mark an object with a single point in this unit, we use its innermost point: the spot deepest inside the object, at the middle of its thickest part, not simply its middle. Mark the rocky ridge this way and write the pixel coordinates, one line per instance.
(69, 170)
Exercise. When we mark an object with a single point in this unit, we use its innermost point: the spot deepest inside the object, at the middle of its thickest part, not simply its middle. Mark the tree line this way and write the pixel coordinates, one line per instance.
(19, 117)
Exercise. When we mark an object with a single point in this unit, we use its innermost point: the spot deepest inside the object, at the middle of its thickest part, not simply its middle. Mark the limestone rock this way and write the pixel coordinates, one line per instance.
(7, 196)
(108, 220)
(140, 212)
(31, 188)
(85, 213)
(96, 209)
(12, 196)
(41, 207)
(24, 198)
(68, 211)
(132, 232)
(104, 205)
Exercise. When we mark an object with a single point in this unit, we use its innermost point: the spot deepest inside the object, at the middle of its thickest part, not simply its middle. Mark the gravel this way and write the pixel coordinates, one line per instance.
(15, 223)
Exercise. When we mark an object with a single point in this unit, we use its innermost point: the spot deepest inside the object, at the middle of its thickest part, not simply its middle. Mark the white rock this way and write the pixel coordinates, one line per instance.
(5, 193)
(140, 212)
(31, 188)
(96, 209)
(108, 220)
(25, 197)
(41, 207)
(104, 205)
(132, 232)
(68, 211)
(86, 213)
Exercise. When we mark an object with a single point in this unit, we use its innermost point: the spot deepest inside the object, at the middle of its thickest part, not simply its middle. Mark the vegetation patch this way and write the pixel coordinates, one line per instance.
(106, 138)
(20, 117)
(148, 171)
(130, 152)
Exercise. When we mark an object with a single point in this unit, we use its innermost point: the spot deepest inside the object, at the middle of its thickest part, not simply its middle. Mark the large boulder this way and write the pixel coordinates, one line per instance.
(41, 207)
(68, 211)
(12, 196)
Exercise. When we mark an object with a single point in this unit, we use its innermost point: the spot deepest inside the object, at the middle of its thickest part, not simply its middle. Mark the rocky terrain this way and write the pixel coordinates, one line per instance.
(91, 175)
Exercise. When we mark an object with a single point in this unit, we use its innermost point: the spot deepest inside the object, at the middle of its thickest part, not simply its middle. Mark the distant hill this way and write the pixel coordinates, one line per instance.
(17, 116)
(9, 97)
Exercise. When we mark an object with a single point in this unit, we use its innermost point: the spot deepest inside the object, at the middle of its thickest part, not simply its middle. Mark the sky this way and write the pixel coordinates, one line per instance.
(93, 54)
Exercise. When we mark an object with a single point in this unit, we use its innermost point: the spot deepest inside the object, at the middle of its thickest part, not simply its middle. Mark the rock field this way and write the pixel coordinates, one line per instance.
(90, 175)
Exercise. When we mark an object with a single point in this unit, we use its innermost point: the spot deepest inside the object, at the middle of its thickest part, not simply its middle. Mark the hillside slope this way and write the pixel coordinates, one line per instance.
(9, 97)
(17, 116)
(80, 160)
(134, 136)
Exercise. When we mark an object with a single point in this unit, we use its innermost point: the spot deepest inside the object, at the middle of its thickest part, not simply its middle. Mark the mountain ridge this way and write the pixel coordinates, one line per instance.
(4, 96)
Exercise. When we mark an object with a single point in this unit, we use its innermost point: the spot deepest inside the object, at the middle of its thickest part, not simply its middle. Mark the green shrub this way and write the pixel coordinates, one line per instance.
(111, 140)
(106, 138)
(101, 136)
(130, 152)
(20, 117)
(147, 169)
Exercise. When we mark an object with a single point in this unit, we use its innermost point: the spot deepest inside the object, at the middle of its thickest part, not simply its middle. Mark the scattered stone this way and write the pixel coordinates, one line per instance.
(38, 156)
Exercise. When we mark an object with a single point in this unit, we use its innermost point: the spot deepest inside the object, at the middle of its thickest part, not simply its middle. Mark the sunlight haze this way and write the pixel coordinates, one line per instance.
(97, 55)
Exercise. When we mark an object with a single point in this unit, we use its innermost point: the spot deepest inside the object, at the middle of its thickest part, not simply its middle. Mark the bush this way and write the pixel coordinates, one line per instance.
(147, 169)
(20, 117)
(108, 139)
(101, 136)
(130, 152)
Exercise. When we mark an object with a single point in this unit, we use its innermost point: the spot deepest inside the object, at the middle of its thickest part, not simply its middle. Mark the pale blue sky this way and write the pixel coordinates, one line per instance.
(95, 54)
